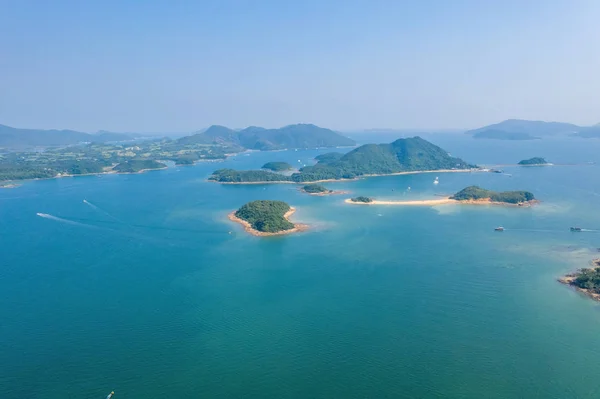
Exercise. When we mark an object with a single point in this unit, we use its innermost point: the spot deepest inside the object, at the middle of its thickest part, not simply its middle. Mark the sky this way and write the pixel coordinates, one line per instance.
(180, 66)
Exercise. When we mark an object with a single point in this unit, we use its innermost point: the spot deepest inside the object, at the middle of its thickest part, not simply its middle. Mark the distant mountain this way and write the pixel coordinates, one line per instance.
(592, 132)
(518, 129)
(16, 138)
(257, 138)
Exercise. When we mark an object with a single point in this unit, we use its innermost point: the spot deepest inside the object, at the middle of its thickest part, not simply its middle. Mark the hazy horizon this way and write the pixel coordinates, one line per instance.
(347, 66)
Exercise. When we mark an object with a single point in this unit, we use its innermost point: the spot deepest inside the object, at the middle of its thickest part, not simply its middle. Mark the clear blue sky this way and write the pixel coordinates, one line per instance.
(343, 64)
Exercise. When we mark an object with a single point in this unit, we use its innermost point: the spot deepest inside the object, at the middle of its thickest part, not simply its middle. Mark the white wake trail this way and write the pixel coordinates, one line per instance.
(61, 220)
(102, 211)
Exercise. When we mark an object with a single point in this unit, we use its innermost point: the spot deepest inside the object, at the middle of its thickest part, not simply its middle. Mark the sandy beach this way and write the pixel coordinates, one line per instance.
(324, 194)
(443, 201)
(298, 227)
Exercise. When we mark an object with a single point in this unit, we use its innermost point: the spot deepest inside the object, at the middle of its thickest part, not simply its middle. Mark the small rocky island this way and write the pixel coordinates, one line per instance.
(476, 194)
(277, 166)
(535, 161)
(319, 190)
(586, 280)
(266, 218)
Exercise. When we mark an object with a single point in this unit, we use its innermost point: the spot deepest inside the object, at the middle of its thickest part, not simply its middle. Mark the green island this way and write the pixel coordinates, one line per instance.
(138, 165)
(585, 280)
(476, 193)
(361, 198)
(535, 161)
(315, 189)
(277, 166)
(247, 176)
(410, 155)
(265, 217)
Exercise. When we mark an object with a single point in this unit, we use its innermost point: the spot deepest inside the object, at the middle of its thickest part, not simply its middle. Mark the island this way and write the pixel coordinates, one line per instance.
(138, 166)
(472, 195)
(319, 190)
(329, 157)
(266, 218)
(362, 200)
(535, 161)
(403, 156)
(585, 280)
(277, 166)
(476, 194)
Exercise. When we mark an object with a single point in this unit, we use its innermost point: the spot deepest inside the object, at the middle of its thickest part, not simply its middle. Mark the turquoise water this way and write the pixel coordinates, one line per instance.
(142, 289)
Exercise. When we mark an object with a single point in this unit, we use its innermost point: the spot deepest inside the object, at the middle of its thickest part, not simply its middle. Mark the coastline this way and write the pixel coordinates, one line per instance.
(443, 201)
(570, 278)
(298, 227)
(353, 179)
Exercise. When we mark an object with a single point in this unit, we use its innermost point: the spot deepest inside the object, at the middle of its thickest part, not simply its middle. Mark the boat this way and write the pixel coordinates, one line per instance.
(499, 228)
(110, 395)
(575, 228)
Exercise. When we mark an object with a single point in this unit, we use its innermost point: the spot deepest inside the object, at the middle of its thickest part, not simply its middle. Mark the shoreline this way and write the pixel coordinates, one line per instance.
(298, 227)
(354, 178)
(568, 280)
(443, 201)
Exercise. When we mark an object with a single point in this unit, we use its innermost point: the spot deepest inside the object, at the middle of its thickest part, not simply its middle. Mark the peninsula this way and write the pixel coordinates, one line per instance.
(266, 218)
(586, 280)
(403, 156)
(472, 195)
(535, 161)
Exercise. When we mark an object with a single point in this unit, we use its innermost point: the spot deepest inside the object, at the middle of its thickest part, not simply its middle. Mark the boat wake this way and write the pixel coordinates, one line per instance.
(102, 211)
(61, 220)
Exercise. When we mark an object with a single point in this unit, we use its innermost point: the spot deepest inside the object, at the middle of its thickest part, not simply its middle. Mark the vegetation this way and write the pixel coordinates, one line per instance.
(266, 216)
(97, 158)
(138, 165)
(361, 199)
(277, 166)
(588, 279)
(329, 157)
(534, 161)
(243, 176)
(478, 193)
(315, 189)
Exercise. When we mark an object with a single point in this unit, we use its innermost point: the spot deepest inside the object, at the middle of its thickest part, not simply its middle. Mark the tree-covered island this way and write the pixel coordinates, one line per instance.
(320, 190)
(362, 199)
(586, 280)
(277, 166)
(138, 165)
(535, 161)
(478, 194)
(410, 155)
(266, 218)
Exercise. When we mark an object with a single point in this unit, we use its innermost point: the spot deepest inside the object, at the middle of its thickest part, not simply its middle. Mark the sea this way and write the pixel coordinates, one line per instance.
(139, 284)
